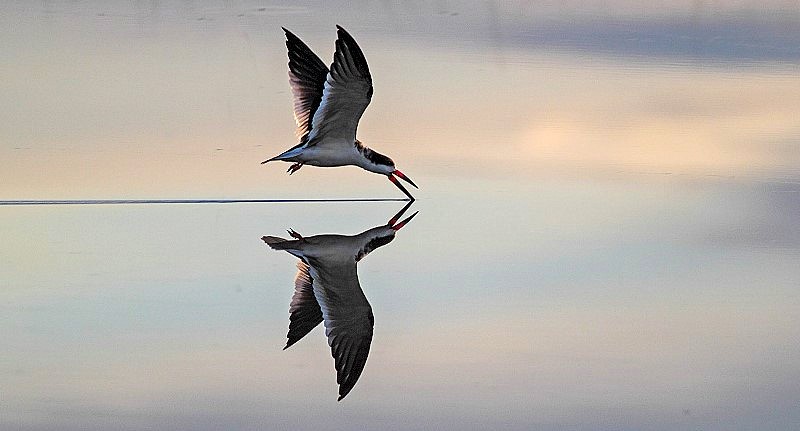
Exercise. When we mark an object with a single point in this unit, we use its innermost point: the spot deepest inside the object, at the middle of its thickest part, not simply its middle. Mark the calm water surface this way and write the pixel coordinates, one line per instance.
(608, 234)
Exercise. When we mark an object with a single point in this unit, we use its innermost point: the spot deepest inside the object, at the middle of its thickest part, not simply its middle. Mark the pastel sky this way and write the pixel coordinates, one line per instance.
(103, 100)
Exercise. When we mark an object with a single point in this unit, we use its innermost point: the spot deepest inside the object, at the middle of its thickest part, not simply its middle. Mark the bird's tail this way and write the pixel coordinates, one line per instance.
(277, 243)
(286, 155)
(271, 160)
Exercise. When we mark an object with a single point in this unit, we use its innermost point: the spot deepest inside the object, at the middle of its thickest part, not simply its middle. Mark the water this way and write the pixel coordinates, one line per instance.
(607, 236)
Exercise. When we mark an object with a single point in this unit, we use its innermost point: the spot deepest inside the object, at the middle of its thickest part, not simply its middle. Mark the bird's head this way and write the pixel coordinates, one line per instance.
(382, 235)
(376, 162)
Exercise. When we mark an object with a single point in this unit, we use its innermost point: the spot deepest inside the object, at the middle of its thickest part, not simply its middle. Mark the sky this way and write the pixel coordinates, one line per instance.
(160, 99)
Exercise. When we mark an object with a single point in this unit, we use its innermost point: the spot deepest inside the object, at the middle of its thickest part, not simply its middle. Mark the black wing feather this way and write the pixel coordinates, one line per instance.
(350, 56)
(350, 351)
(347, 92)
(349, 323)
(304, 311)
(307, 75)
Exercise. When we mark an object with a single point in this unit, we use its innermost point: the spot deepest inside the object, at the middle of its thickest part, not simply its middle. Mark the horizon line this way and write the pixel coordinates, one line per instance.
(185, 201)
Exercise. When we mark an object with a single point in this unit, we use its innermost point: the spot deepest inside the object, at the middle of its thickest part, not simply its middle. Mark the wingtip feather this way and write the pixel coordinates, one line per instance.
(341, 32)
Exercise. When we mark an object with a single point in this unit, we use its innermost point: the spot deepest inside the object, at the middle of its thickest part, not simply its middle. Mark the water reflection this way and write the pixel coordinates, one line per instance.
(326, 288)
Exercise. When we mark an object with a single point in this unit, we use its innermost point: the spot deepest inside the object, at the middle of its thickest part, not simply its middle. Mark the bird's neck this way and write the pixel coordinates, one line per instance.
(373, 238)
(372, 160)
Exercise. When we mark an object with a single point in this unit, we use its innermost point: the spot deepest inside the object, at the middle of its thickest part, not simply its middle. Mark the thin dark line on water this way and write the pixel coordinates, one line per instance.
(184, 201)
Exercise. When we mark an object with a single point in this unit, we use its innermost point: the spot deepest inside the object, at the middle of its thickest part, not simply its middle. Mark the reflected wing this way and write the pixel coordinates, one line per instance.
(350, 339)
(304, 311)
(307, 78)
(348, 320)
(348, 90)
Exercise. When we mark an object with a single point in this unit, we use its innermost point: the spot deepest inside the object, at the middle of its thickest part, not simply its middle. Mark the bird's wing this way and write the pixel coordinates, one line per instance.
(348, 319)
(347, 92)
(304, 311)
(307, 78)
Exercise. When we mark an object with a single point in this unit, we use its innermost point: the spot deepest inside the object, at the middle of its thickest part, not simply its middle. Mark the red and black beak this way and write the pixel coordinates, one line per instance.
(403, 223)
(404, 177)
(397, 216)
(394, 180)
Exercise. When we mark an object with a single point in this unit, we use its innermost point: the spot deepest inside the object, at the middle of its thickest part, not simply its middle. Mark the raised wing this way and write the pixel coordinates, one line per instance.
(348, 319)
(347, 93)
(307, 75)
(304, 311)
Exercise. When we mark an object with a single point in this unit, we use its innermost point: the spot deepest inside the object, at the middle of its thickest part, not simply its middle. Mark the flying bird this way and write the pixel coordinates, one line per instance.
(327, 107)
(326, 288)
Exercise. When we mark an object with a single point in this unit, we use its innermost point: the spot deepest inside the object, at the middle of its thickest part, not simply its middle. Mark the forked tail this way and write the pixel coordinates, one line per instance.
(278, 157)
(277, 243)
(286, 155)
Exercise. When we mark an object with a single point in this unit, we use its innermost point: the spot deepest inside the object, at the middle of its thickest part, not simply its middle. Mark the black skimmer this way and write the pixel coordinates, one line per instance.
(326, 288)
(327, 107)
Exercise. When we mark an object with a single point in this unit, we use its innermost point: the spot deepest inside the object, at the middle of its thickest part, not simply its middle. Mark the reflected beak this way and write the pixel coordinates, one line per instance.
(400, 186)
(403, 223)
(399, 214)
(404, 177)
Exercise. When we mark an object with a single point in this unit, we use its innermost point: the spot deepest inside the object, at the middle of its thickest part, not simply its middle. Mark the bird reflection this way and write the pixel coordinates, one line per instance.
(326, 288)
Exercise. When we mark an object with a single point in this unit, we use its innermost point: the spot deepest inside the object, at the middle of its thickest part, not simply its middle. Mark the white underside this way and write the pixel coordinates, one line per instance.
(330, 152)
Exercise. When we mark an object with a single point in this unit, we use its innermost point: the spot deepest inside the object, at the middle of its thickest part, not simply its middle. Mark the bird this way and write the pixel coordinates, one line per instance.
(326, 288)
(328, 105)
